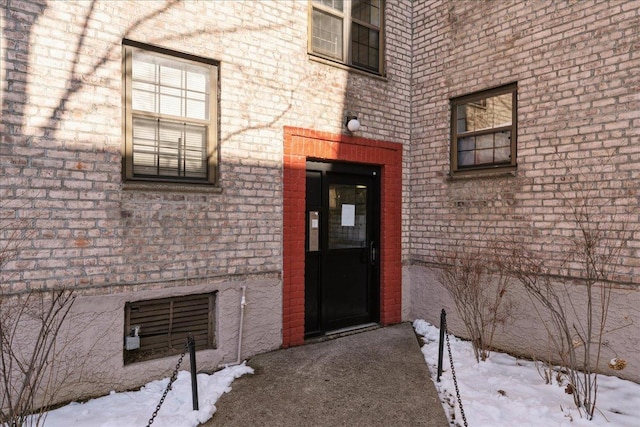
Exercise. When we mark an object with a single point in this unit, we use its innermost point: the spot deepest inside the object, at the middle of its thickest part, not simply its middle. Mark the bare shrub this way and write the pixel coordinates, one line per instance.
(478, 285)
(30, 324)
(29, 328)
(577, 330)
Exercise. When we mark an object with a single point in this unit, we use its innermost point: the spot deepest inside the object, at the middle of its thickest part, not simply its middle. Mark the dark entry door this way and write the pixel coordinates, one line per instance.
(341, 275)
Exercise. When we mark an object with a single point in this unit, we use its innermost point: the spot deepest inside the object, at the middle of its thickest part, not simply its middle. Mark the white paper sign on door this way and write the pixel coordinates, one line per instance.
(348, 215)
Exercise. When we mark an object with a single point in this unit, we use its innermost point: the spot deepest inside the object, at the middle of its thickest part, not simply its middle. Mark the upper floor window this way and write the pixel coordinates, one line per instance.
(170, 115)
(483, 130)
(348, 31)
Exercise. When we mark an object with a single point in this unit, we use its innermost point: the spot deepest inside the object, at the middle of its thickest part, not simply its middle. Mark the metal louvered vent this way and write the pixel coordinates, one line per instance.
(163, 325)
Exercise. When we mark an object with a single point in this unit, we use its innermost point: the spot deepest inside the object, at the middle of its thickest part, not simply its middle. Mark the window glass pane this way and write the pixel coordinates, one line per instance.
(195, 151)
(170, 77)
(164, 86)
(170, 101)
(501, 109)
(144, 147)
(466, 151)
(197, 96)
(334, 4)
(484, 157)
(327, 34)
(169, 141)
(502, 155)
(486, 113)
(466, 158)
(503, 139)
(467, 144)
(347, 216)
(484, 141)
(365, 46)
(169, 149)
(484, 149)
(367, 11)
(144, 68)
(375, 13)
(144, 96)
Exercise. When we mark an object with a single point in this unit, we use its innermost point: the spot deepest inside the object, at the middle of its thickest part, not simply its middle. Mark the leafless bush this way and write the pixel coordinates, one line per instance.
(578, 330)
(30, 324)
(29, 328)
(478, 285)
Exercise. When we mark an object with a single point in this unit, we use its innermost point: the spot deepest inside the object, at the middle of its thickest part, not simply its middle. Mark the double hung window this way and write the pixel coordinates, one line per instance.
(483, 130)
(348, 31)
(170, 115)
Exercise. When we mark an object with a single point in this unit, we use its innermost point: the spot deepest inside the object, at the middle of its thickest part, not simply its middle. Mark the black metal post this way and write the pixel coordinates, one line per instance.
(443, 330)
(191, 343)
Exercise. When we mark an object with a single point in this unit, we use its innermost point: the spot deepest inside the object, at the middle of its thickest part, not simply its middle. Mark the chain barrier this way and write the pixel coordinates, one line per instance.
(443, 324)
(174, 376)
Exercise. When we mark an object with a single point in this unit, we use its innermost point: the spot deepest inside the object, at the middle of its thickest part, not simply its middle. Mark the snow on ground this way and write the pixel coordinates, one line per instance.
(501, 391)
(134, 409)
(506, 391)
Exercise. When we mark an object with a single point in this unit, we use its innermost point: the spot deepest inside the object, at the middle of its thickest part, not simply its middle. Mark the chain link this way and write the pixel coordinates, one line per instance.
(453, 374)
(174, 376)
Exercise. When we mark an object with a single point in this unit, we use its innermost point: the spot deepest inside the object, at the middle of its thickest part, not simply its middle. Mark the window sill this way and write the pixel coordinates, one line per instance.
(504, 172)
(340, 65)
(171, 187)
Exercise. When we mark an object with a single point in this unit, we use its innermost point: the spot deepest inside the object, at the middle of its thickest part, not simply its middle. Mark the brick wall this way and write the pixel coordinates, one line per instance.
(62, 136)
(575, 63)
(578, 114)
(74, 223)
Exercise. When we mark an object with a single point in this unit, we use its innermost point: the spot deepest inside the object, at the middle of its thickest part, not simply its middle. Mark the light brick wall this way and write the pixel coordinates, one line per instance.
(579, 108)
(62, 136)
(79, 226)
(576, 66)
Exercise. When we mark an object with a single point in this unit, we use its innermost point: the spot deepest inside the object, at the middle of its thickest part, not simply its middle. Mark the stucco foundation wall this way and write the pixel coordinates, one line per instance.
(525, 335)
(88, 356)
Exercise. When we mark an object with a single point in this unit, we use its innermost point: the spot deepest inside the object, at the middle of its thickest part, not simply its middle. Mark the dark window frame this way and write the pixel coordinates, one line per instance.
(479, 100)
(210, 125)
(156, 341)
(349, 22)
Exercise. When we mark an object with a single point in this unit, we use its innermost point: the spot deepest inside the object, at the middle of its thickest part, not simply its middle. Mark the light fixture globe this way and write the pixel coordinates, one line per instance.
(352, 123)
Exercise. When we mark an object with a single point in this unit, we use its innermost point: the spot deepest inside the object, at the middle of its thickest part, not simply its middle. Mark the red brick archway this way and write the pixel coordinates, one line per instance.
(301, 144)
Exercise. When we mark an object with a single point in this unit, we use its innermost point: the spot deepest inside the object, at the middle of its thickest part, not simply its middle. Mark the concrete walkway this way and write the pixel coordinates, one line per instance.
(373, 378)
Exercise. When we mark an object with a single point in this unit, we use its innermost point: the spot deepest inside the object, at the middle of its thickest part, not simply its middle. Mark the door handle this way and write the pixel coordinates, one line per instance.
(372, 253)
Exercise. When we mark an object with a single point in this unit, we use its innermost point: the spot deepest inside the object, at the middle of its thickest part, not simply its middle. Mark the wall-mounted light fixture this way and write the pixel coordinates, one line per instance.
(352, 123)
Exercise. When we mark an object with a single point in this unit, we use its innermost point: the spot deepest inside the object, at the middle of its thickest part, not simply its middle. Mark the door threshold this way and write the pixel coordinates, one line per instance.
(343, 332)
(352, 329)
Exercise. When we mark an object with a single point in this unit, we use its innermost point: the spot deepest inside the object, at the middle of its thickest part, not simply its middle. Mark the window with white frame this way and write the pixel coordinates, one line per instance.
(348, 31)
(170, 115)
(484, 131)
